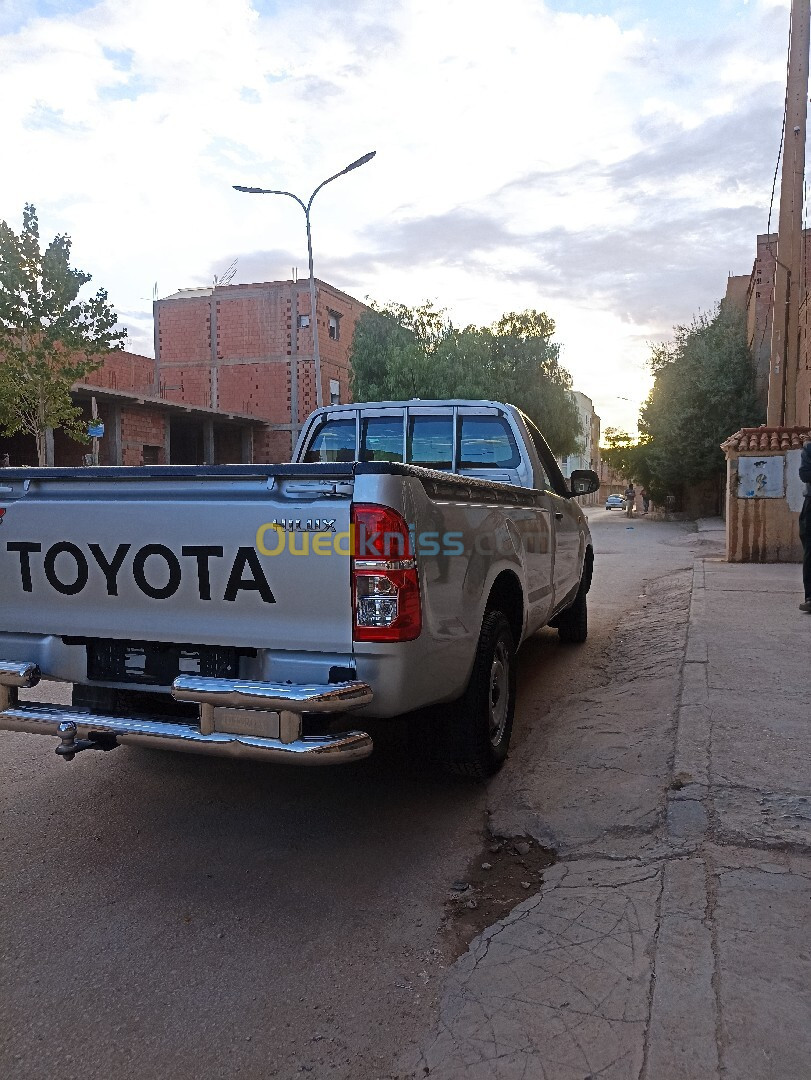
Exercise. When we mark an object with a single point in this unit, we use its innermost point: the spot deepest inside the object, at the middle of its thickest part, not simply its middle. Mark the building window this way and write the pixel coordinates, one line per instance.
(334, 326)
(334, 392)
(303, 322)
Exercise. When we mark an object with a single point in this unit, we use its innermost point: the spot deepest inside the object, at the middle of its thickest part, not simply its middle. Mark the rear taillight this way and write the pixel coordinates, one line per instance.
(385, 587)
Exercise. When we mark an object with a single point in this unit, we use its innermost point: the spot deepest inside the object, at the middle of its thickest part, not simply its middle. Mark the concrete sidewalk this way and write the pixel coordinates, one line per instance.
(686, 956)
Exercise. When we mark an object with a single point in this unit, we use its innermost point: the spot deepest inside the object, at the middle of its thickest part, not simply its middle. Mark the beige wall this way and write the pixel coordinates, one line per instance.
(763, 529)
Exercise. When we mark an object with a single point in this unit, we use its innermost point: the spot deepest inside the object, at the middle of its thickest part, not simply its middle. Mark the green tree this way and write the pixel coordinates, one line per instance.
(704, 389)
(399, 352)
(628, 457)
(527, 366)
(49, 338)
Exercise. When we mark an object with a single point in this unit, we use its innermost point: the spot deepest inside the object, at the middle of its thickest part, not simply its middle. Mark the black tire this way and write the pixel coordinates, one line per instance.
(476, 729)
(573, 622)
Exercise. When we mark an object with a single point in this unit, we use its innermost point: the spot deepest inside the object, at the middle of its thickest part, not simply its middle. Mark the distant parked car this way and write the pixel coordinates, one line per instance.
(615, 502)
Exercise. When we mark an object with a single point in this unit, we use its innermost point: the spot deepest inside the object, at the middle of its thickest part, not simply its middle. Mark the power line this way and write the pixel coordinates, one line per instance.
(774, 180)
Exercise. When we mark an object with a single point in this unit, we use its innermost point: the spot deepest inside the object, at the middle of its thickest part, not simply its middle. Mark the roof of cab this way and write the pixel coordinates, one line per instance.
(430, 402)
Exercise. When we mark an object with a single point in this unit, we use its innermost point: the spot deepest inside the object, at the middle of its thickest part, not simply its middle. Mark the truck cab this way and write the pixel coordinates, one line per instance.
(481, 439)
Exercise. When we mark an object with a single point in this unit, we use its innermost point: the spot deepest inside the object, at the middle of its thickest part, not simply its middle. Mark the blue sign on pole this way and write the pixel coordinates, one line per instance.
(96, 430)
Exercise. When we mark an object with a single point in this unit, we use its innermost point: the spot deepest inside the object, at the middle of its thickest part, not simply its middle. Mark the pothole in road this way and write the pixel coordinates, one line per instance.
(504, 873)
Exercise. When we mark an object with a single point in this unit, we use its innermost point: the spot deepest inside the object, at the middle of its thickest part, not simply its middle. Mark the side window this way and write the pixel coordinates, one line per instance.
(430, 441)
(486, 442)
(382, 438)
(542, 451)
(542, 480)
(333, 441)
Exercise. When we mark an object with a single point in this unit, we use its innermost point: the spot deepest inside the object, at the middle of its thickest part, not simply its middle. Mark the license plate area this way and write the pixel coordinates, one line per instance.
(158, 663)
(258, 723)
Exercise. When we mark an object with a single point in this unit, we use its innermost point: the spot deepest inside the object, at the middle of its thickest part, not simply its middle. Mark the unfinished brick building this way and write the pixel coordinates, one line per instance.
(141, 428)
(248, 350)
(232, 380)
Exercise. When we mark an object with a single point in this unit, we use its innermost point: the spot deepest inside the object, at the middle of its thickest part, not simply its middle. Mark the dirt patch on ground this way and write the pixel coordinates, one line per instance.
(504, 873)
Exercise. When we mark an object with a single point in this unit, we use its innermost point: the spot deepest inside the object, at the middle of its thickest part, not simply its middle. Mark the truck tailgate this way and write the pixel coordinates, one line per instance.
(181, 556)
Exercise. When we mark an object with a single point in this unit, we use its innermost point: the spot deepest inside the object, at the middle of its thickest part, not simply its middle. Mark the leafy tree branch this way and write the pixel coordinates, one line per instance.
(49, 337)
(703, 391)
(400, 352)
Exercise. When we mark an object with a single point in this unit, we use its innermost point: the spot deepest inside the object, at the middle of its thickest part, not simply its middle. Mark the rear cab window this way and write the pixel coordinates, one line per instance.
(382, 438)
(487, 442)
(430, 441)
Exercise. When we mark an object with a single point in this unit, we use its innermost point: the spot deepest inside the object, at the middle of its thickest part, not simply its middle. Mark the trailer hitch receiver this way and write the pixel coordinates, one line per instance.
(70, 746)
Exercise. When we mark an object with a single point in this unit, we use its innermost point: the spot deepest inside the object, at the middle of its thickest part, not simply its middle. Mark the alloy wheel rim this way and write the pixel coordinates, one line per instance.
(499, 693)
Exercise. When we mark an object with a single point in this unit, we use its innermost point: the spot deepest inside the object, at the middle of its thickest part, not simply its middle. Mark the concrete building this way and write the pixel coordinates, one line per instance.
(764, 493)
(588, 456)
(754, 294)
(248, 350)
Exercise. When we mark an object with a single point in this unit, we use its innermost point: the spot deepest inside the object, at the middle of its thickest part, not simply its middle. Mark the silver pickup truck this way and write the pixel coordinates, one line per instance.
(397, 563)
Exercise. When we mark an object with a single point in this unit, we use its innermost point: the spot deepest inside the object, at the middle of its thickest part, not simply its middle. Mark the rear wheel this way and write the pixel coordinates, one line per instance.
(476, 731)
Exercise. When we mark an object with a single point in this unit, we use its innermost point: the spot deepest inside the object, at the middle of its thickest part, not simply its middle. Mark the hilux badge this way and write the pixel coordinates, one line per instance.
(311, 525)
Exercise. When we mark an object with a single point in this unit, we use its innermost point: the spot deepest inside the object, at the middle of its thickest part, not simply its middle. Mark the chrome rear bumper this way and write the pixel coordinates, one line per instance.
(208, 737)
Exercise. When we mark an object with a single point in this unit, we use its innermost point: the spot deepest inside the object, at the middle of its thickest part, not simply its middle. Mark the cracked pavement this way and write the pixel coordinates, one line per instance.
(671, 939)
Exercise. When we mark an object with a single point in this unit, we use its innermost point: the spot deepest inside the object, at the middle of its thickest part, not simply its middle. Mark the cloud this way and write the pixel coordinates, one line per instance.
(449, 238)
(658, 271)
(612, 168)
(44, 117)
(732, 151)
(318, 91)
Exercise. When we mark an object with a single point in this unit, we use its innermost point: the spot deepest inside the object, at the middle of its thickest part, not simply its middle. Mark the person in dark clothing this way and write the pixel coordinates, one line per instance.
(805, 525)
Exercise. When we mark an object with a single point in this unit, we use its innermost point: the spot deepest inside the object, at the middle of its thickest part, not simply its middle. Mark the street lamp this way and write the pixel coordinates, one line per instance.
(319, 396)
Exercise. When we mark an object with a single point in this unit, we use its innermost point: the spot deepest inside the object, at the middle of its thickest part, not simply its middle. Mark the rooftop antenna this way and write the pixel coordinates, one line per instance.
(228, 276)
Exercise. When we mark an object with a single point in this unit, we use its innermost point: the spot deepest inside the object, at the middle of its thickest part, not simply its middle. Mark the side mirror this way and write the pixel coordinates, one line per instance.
(584, 481)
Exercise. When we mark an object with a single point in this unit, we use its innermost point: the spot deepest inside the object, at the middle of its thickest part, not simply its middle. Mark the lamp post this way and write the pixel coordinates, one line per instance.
(319, 396)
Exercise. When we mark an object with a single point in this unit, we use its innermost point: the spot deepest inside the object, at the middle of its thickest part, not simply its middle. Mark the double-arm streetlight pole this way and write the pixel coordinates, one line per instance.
(319, 395)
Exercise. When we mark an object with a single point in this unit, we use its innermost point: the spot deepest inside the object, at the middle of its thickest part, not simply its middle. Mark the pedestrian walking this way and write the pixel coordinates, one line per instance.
(630, 499)
(805, 525)
(645, 500)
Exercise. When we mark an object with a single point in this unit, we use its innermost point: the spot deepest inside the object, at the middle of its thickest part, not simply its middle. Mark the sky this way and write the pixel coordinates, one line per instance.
(609, 162)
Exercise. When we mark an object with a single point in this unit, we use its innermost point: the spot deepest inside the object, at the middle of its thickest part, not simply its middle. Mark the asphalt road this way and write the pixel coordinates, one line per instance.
(168, 915)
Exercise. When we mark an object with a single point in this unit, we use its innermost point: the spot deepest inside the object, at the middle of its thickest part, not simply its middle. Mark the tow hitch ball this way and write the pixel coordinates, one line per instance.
(70, 746)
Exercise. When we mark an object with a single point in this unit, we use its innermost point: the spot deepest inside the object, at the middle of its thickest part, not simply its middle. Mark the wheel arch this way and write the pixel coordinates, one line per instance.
(507, 595)
(588, 566)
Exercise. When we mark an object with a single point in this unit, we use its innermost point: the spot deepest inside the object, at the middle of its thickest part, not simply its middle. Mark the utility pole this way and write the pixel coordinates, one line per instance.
(784, 358)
